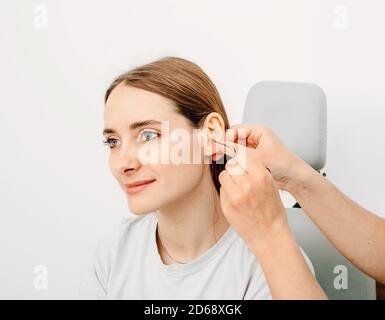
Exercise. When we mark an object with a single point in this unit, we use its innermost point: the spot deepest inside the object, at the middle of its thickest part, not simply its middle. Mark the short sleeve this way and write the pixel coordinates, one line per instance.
(93, 282)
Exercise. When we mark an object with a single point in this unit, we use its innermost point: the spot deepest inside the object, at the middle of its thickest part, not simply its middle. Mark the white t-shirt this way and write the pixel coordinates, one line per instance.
(126, 265)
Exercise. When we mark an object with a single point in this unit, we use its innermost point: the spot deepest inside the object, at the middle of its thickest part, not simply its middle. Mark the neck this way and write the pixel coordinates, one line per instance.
(191, 226)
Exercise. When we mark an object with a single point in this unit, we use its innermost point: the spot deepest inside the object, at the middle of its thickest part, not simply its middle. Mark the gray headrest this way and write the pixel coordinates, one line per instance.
(296, 112)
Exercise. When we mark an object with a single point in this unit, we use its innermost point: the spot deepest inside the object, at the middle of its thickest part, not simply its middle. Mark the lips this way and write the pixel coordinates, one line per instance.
(137, 186)
(138, 183)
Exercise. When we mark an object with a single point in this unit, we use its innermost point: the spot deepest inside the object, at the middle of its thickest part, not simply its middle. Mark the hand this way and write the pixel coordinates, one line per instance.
(270, 151)
(250, 200)
(251, 204)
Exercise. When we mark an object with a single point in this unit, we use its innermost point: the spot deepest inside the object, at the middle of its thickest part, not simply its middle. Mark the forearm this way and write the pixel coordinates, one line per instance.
(357, 233)
(286, 270)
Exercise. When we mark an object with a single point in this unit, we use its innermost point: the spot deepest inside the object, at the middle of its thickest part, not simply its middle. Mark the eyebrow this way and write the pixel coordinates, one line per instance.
(134, 125)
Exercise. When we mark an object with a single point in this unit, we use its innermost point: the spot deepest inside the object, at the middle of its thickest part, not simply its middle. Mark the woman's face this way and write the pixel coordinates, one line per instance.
(127, 106)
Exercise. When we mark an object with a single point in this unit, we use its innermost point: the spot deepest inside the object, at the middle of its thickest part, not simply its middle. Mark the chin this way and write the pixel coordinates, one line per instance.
(141, 208)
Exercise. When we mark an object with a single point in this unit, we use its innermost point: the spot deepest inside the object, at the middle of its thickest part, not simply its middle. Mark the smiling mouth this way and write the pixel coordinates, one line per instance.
(137, 188)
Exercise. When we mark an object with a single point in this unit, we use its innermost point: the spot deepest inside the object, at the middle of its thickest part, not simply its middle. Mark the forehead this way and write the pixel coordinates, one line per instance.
(133, 103)
(126, 106)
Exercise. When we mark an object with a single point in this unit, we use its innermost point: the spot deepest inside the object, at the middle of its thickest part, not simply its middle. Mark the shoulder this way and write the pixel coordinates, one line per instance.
(126, 227)
(135, 225)
(135, 221)
(98, 267)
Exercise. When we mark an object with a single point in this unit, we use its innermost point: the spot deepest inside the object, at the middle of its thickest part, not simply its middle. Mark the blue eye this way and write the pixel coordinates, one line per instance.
(147, 134)
(111, 142)
(108, 141)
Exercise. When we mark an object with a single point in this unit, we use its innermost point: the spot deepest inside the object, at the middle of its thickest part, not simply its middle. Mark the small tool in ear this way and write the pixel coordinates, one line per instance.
(234, 151)
(231, 154)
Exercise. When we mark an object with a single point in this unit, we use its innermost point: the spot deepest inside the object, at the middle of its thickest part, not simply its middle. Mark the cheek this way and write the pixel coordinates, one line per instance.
(180, 179)
(112, 166)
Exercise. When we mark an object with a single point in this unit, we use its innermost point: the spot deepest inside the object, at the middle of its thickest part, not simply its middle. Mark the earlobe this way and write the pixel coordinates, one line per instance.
(211, 148)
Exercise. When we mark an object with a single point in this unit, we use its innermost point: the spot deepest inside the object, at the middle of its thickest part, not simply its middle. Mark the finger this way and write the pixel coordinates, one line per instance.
(224, 148)
(226, 181)
(246, 156)
(238, 152)
(242, 155)
(245, 134)
(245, 165)
(225, 198)
(258, 172)
(237, 173)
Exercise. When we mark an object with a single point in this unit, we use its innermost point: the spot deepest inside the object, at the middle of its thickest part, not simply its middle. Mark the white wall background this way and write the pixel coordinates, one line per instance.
(57, 58)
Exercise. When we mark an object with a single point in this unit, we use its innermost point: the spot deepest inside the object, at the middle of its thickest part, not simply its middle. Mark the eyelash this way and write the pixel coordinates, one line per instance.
(108, 140)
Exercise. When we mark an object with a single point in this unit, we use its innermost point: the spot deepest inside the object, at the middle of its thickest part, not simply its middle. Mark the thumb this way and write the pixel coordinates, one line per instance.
(242, 153)
(245, 134)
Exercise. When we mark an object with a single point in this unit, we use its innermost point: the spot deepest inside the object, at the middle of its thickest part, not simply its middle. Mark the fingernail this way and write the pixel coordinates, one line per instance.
(232, 162)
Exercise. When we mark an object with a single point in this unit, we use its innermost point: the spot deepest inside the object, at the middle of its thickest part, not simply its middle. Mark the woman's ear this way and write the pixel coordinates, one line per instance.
(214, 130)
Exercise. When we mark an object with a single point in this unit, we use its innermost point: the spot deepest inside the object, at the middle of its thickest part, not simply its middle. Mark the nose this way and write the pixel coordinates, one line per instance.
(126, 159)
(127, 168)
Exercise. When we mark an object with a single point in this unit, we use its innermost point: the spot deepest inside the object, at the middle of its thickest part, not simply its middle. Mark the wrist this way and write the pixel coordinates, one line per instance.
(301, 178)
(274, 240)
